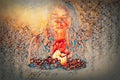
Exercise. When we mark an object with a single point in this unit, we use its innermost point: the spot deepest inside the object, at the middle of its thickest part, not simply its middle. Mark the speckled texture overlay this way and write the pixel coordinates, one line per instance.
(101, 50)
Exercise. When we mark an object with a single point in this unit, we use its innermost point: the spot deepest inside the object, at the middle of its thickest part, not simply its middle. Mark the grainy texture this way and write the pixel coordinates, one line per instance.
(101, 50)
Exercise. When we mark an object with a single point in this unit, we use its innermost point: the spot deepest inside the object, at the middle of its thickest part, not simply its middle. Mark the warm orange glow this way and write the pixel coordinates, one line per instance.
(35, 18)
(61, 56)
(60, 22)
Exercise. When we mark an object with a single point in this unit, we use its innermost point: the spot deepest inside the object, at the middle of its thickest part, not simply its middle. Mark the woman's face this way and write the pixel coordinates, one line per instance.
(60, 18)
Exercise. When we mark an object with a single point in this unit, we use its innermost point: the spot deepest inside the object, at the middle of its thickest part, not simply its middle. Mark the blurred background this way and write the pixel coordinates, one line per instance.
(20, 20)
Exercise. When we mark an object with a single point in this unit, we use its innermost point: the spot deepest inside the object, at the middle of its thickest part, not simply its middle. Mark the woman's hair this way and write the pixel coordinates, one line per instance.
(62, 6)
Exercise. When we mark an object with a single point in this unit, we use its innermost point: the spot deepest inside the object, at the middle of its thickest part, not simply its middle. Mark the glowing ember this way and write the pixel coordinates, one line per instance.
(50, 64)
(62, 57)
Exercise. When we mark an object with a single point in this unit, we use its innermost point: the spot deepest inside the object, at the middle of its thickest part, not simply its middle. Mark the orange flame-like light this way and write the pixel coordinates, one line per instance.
(61, 56)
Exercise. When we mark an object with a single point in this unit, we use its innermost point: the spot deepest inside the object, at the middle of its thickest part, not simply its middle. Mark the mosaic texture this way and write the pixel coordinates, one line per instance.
(93, 37)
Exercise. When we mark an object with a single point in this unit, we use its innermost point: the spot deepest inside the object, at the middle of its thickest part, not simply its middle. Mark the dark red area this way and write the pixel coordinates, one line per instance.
(50, 63)
(60, 45)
